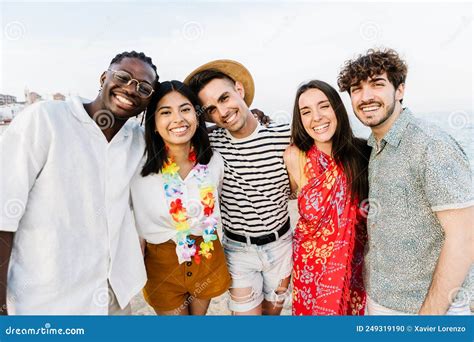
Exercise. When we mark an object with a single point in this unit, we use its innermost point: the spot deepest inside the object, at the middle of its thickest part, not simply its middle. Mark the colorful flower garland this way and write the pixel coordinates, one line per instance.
(185, 246)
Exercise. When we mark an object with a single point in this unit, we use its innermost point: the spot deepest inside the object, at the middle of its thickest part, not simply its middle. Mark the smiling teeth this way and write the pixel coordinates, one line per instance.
(320, 128)
(370, 109)
(179, 129)
(231, 118)
(124, 100)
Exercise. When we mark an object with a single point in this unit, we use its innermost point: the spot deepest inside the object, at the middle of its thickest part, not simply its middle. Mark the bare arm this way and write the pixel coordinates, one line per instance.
(290, 157)
(454, 262)
(6, 243)
(142, 245)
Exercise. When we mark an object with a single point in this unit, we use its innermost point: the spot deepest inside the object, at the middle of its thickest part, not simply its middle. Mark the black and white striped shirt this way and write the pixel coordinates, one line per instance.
(254, 196)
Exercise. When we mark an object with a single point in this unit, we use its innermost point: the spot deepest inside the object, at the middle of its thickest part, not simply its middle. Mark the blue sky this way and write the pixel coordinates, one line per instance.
(64, 46)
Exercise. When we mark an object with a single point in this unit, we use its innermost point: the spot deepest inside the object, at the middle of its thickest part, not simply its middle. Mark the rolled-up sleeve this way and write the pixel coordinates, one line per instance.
(447, 175)
(23, 153)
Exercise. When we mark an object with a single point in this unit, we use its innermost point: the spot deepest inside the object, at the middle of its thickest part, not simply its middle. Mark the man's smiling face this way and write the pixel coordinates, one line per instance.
(224, 104)
(374, 99)
(122, 100)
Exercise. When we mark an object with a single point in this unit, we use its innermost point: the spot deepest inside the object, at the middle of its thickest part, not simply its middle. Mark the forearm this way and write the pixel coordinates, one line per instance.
(6, 243)
(451, 270)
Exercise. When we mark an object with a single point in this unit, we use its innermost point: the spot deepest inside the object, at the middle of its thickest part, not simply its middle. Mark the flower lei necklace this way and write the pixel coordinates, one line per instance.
(187, 223)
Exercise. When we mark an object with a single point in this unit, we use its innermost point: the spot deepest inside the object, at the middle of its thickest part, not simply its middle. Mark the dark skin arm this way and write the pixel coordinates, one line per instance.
(6, 243)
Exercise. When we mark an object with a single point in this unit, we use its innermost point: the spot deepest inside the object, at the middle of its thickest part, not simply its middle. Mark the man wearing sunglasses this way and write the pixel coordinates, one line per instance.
(67, 239)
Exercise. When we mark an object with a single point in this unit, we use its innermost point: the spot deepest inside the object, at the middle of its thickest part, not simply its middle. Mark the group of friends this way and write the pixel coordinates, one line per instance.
(94, 213)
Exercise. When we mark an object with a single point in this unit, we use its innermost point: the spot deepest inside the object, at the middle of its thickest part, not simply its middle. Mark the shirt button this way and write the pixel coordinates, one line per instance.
(189, 263)
(189, 274)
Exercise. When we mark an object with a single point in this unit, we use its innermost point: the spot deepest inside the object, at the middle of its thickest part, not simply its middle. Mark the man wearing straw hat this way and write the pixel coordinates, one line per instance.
(257, 236)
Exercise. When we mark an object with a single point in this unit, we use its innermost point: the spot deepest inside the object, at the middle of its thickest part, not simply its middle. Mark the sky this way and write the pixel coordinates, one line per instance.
(64, 46)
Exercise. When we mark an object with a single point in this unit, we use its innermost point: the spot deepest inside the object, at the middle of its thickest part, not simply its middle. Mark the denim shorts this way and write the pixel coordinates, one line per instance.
(261, 268)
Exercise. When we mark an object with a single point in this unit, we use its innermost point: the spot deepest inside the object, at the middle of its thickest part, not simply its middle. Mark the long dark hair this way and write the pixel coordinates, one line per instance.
(348, 151)
(155, 146)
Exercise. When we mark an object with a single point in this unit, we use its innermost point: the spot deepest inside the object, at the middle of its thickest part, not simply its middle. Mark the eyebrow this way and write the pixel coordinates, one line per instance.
(372, 80)
(169, 107)
(208, 108)
(377, 79)
(317, 104)
(131, 74)
(221, 98)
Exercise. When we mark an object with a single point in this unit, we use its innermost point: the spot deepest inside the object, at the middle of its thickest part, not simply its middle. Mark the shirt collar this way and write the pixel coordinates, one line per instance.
(394, 135)
(77, 105)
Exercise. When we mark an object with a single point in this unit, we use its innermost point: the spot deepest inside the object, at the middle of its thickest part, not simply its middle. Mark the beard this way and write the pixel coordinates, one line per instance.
(381, 120)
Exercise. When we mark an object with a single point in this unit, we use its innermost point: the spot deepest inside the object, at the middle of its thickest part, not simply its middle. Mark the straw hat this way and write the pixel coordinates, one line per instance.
(233, 69)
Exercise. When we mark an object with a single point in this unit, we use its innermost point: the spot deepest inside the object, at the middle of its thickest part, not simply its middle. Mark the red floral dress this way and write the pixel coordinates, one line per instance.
(328, 243)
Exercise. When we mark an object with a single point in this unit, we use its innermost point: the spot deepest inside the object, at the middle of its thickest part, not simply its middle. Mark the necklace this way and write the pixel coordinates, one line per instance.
(199, 218)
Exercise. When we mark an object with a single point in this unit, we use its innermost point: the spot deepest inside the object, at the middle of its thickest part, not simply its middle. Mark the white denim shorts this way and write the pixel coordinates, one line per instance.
(261, 268)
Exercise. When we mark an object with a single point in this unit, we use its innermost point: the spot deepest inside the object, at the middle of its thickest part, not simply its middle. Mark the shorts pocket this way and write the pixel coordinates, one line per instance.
(232, 246)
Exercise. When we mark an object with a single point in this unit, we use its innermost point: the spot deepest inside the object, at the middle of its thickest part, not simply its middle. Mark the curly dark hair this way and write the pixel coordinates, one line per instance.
(374, 62)
(139, 55)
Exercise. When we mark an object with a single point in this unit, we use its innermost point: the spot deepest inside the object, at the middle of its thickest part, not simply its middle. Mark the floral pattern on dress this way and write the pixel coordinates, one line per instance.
(328, 243)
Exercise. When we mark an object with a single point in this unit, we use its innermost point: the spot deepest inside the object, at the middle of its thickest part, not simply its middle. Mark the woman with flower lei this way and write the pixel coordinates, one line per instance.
(175, 200)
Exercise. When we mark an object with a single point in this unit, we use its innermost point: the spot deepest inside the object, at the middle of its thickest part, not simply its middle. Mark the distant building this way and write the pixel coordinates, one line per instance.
(7, 99)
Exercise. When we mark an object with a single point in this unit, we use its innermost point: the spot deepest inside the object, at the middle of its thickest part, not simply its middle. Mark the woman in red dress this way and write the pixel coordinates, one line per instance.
(327, 166)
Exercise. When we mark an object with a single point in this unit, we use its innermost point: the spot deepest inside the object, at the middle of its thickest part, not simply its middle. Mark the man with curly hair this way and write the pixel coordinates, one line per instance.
(420, 194)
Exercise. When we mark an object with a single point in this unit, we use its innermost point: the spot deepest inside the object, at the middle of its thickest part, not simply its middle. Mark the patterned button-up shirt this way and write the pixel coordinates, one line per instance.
(414, 171)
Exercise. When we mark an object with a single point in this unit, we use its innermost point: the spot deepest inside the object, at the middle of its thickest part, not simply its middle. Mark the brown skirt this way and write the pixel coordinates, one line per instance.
(170, 284)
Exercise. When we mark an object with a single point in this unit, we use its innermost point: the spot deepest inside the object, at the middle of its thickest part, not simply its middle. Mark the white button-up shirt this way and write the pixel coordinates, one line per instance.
(65, 193)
